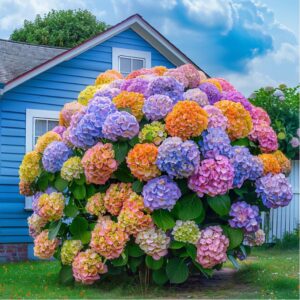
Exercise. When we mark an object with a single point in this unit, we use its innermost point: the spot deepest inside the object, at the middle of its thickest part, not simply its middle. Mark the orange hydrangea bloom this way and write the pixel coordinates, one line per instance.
(159, 70)
(141, 161)
(284, 162)
(133, 101)
(108, 77)
(186, 120)
(239, 119)
(270, 163)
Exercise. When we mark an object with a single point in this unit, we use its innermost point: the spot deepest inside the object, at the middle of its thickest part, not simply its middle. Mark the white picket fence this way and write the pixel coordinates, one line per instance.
(284, 219)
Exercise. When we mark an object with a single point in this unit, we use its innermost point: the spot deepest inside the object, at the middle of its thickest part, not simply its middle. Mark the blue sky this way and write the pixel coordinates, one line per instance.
(252, 43)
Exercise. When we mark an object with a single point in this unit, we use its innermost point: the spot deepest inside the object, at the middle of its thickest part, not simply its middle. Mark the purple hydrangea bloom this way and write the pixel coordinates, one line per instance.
(177, 158)
(212, 92)
(120, 124)
(156, 107)
(245, 216)
(116, 83)
(241, 162)
(257, 168)
(196, 95)
(108, 92)
(236, 96)
(86, 126)
(137, 85)
(37, 195)
(55, 155)
(215, 142)
(161, 192)
(166, 86)
(274, 190)
(215, 117)
(279, 94)
(59, 130)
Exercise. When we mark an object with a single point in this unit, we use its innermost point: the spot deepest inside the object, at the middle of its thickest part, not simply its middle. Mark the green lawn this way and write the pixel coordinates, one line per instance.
(271, 274)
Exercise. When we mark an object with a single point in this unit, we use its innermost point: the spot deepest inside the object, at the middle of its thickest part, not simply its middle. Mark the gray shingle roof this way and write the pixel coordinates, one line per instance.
(17, 58)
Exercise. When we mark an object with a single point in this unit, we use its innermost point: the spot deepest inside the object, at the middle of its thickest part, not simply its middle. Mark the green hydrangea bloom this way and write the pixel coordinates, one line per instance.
(153, 133)
(69, 250)
(186, 232)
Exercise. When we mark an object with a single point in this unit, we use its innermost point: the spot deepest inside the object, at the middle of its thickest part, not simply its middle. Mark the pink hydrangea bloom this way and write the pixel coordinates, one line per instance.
(226, 86)
(215, 117)
(212, 247)
(43, 247)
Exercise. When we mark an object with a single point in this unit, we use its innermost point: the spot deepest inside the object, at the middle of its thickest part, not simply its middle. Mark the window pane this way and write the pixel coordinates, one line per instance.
(40, 127)
(125, 65)
(137, 64)
(52, 124)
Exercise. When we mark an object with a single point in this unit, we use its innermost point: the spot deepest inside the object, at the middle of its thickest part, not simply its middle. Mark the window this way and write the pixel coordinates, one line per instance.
(126, 60)
(38, 122)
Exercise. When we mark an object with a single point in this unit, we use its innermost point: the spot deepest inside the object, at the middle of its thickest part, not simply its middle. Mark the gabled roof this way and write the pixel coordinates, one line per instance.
(18, 58)
(135, 22)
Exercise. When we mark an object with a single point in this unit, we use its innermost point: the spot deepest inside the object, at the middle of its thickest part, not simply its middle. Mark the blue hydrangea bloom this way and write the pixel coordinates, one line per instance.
(156, 107)
(215, 142)
(168, 86)
(108, 92)
(55, 155)
(177, 158)
(257, 168)
(274, 190)
(161, 193)
(120, 124)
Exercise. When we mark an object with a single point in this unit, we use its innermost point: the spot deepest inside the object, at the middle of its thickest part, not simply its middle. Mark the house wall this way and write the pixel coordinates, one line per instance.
(48, 91)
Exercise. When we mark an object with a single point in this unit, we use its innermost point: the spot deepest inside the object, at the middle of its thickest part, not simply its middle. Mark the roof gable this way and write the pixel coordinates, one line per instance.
(135, 22)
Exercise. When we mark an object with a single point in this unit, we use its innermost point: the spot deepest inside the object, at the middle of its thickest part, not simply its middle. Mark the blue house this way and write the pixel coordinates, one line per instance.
(36, 81)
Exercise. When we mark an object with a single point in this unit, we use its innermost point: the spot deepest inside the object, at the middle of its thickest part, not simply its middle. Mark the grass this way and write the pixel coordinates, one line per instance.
(268, 274)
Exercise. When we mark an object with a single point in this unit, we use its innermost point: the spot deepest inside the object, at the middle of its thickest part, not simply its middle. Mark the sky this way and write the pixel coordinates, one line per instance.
(251, 43)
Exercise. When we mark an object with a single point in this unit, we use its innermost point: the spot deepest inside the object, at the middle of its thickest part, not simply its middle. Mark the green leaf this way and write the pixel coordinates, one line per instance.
(154, 264)
(182, 184)
(176, 245)
(42, 182)
(220, 204)
(234, 262)
(54, 229)
(134, 141)
(85, 237)
(135, 262)
(241, 142)
(163, 219)
(79, 192)
(189, 207)
(120, 261)
(71, 209)
(90, 190)
(160, 276)
(137, 186)
(177, 270)
(123, 174)
(66, 275)
(121, 150)
(134, 250)
(79, 229)
(81, 180)
(235, 236)
(206, 272)
(191, 250)
(60, 184)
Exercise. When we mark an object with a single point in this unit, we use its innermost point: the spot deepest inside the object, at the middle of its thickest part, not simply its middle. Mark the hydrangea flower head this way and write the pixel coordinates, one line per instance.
(71, 169)
(284, 162)
(161, 193)
(239, 119)
(131, 100)
(192, 75)
(257, 168)
(26, 188)
(274, 190)
(259, 115)
(153, 133)
(212, 247)
(35, 225)
(154, 242)
(120, 124)
(196, 95)
(187, 119)
(69, 250)
(46, 139)
(178, 75)
(55, 155)
(137, 85)
(87, 94)
(99, 163)
(157, 106)
(59, 130)
(108, 77)
(270, 163)
(215, 117)
(108, 92)
(257, 238)
(186, 232)
(68, 111)
(50, 207)
(30, 167)
(212, 92)
(226, 86)
(43, 247)
(177, 158)
(108, 239)
(215, 141)
(141, 161)
(95, 204)
(237, 97)
(244, 216)
(87, 266)
(215, 82)
(213, 177)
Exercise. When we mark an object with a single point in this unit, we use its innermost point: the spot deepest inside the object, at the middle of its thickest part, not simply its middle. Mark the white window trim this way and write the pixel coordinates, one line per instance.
(116, 52)
(31, 114)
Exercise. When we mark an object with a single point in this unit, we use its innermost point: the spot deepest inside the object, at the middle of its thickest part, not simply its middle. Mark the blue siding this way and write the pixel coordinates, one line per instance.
(48, 91)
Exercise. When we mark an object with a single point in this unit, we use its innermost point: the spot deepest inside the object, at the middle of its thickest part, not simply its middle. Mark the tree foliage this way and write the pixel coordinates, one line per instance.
(60, 28)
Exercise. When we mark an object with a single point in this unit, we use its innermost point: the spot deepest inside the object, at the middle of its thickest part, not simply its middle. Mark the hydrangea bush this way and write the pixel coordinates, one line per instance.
(164, 170)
